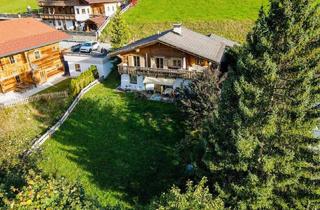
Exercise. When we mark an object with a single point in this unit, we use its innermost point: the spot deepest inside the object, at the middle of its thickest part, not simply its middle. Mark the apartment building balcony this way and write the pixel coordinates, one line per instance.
(163, 73)
(60, 3)
(47, 16)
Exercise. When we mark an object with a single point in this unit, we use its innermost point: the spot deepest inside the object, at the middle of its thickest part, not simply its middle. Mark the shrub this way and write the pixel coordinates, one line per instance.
(85, 78)
(26, 187)
(195, 197)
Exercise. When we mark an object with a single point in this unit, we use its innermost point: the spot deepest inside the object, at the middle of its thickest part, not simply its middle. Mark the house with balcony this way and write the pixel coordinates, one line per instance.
(169, 59)
(82, 15)
(29, 53)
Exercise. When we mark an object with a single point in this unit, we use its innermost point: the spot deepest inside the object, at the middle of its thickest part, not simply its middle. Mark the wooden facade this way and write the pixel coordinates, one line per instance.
(160, 60)
(30, 67)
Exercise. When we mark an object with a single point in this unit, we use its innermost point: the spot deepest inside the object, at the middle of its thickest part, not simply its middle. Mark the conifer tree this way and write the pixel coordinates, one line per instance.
(260, 149)
(119, 32)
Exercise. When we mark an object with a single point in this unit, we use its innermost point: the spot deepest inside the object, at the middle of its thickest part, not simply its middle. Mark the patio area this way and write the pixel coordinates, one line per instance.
(12, 96)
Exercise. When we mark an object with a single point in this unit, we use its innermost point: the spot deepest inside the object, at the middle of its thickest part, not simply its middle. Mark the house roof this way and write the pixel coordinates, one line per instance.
(227, 42)
(99, 20)
(102, 1)
(188, 41)
(23, 34)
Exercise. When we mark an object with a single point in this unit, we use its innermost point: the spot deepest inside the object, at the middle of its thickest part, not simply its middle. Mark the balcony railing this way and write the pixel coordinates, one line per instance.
(164, 73)
(58, 16)
(62, 3)
(8, 72)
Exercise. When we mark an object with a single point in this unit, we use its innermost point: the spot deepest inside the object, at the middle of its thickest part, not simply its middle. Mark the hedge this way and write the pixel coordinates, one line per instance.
(84, 79)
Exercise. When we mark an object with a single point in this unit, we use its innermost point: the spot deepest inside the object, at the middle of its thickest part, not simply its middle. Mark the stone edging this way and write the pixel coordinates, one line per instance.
(38, 142)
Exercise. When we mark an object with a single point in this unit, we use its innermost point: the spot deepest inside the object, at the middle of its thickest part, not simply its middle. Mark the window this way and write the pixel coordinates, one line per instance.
(133, 79)
(37, 54)
(159, 63)
(112, 8)
(199, 62)
(59, 23)
(18, 80)
(77, 67)
(176, 63)
(88, 11)
(83, 11)
(108, 8)
(136, 61)
(12, 60)
(78, 12)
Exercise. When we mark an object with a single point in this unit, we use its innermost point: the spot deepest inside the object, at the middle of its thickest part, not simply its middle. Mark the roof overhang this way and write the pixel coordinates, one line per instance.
(121, 51)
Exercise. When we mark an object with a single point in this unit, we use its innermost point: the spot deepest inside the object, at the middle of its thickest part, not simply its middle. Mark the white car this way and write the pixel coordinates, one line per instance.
(87, 47)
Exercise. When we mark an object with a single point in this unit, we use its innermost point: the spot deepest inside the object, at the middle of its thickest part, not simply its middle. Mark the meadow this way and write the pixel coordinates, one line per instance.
(121, 148)
(230, 18)
(17, 6)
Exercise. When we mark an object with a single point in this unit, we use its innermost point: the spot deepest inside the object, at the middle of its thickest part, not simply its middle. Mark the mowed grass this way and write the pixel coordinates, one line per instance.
(230, 18)
(21, 124)
(121, 148)
(17, 6)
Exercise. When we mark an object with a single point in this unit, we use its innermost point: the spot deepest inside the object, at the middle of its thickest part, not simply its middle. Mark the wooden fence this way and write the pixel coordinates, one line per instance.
(38, 142)
(61, 94)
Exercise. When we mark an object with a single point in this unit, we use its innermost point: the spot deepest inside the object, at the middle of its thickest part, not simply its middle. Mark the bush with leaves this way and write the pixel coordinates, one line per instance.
(195, 197)
(84, 79)
(26, 187)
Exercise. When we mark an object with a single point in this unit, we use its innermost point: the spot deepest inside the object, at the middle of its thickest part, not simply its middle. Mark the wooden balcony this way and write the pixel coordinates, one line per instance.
(58, 16)
(59, 3)
(163, 73)
(8, 72)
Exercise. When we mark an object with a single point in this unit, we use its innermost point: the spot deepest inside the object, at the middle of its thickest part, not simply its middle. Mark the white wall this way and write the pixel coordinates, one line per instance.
(82, 16)
(110, 8)
(126, 85)
(104, 66)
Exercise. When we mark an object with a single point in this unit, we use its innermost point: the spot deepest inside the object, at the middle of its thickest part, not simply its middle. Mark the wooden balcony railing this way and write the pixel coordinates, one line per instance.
(164, 73)
(7, 71)
(58, 16)
(61, 3)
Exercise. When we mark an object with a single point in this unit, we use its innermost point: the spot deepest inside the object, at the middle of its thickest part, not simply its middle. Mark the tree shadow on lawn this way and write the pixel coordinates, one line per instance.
(126, 144)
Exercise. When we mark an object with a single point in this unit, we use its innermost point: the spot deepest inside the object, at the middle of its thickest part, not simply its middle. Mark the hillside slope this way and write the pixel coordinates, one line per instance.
(17, 6)
(230, 18)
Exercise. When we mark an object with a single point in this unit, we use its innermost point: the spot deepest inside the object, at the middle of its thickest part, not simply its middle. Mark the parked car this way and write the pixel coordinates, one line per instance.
(76, 48)
(87, 47)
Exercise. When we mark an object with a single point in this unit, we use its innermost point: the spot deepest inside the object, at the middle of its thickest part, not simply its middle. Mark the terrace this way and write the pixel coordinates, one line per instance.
(192, 73)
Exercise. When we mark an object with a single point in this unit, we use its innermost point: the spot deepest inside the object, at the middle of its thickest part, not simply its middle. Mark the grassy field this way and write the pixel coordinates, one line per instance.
(122, 149)
(230, 18)
(20, 124)
(17, 6)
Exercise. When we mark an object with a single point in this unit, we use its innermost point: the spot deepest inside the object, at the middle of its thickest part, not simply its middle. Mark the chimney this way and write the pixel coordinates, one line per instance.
(177, 28)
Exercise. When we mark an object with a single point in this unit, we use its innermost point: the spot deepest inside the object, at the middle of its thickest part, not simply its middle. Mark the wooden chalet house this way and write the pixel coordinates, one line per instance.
(169, 59)
(29, 53)
(82, 15)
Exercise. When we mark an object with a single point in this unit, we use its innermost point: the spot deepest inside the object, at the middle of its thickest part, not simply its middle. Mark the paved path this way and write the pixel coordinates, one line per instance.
(13, 96)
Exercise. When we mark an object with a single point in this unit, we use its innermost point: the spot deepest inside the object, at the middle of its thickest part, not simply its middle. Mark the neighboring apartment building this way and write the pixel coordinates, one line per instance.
(77, 14)
(169, 59)
(29, 53)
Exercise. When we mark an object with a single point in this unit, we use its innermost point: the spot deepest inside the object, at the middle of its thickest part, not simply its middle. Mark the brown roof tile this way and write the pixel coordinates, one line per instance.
(23, 34)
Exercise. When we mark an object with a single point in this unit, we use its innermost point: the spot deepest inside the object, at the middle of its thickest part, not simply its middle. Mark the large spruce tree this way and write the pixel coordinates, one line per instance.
(260, 148)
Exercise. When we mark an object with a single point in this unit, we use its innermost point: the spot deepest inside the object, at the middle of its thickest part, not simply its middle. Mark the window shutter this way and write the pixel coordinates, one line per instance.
(165, 63)
(130, 60)
(142, 61)
(153, 62)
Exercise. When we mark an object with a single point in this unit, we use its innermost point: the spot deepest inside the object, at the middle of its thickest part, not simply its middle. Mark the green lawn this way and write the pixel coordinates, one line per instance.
(17, 6)
(21, 124)
(230, 18)
(61, 86)
(121, 148)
